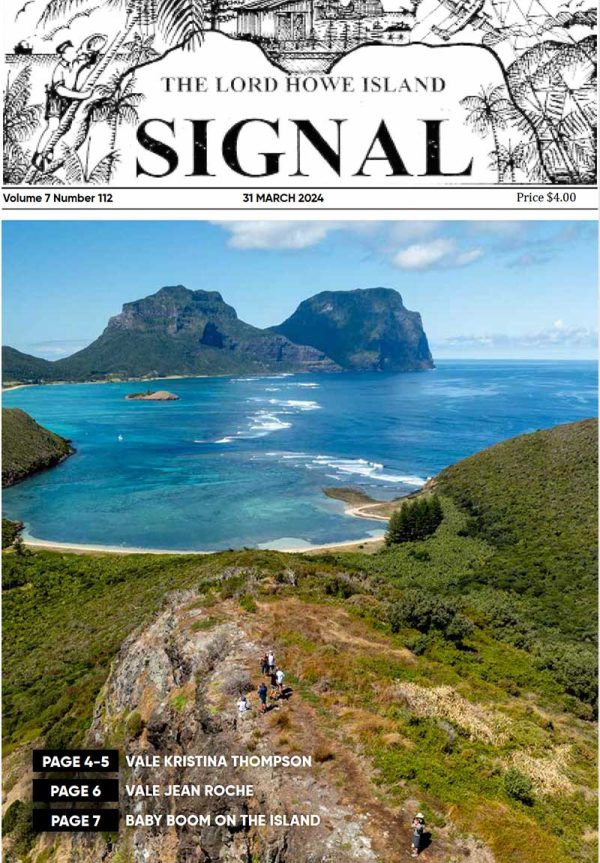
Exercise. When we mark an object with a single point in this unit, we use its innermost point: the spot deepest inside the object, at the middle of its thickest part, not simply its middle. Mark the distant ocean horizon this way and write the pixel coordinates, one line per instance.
(242, 461)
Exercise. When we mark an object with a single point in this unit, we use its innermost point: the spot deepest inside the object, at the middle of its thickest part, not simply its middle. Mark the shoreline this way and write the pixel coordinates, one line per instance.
(18, 386)
(92, 548)
(89, 548)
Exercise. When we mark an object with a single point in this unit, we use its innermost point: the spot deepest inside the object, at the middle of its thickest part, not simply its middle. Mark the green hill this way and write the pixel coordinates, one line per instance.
(534, 499)
(28, 447)
(18, 367)
(177, 331)
(174, 331)
(455, 673)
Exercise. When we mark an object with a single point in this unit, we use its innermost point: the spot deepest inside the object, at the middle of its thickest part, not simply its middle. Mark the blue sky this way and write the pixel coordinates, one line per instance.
(484, 289)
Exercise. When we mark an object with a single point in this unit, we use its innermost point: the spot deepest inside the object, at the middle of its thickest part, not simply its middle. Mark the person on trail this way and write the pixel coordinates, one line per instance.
(65, 88)
(279, 676)
(262, 694)
(264, 664)
(418, 826)
(243, 705)
(271, 661)
(273, 677)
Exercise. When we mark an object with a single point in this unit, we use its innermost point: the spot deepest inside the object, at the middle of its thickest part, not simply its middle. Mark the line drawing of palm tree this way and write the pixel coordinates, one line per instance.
(509, 159)
(181, 23)
(117, 104)
(489, 112)
(20, 121)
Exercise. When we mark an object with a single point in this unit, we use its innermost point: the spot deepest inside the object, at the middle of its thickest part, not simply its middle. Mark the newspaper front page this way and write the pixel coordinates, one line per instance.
(299, 431)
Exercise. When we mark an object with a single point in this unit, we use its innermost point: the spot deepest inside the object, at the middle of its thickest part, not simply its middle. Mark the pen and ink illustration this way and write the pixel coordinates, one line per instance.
(539, 123)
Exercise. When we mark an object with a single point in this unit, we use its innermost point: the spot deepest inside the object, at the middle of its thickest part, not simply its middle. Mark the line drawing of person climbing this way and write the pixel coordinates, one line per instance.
(63, 89)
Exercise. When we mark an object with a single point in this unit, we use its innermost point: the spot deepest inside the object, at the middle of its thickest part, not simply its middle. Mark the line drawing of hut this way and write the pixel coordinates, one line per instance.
(276, 19)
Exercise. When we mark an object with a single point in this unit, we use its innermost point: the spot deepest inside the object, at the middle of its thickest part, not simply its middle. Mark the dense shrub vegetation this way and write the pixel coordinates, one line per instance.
(533, 498)
(426, 612)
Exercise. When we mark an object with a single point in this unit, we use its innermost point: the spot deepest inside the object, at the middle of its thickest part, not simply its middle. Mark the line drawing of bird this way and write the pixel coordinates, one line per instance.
(86, 13)
(23, 8)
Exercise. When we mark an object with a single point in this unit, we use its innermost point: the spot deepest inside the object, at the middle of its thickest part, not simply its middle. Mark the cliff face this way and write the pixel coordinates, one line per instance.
(364, 330)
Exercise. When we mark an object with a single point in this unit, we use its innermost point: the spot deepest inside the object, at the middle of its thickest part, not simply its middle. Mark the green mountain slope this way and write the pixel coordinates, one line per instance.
(181, 332)
(366, 330)
(23, 368)
(174, 332)
(28, 447)
(534, 499)
(487, 727)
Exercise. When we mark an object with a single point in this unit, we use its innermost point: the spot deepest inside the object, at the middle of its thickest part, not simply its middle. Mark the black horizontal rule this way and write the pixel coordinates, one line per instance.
(75, 820)
(98, 790)
(95, 760)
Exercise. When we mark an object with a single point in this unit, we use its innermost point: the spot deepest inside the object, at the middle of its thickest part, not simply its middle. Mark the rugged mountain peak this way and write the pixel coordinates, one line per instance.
(173, 309)
(364, 329)
(179, 331)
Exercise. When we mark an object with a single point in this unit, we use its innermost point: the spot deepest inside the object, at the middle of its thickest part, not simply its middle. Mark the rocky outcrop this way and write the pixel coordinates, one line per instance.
(363, 330)
(172, 691)
(152, 396)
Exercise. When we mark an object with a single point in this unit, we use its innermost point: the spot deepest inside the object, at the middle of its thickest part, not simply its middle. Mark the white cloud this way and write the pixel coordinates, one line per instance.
(277, 235)
(558, 335)
(376, 235)
(466, 258)
(439, 252)
(420, 256)
(55, 350)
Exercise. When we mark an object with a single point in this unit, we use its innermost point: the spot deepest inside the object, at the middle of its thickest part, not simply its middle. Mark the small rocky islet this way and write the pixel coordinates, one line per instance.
(152, 396)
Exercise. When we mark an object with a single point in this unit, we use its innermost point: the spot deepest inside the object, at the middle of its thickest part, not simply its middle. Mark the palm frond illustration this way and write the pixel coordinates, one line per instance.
(20, 120)
(549, 82)
(117, 104)
(79, 173)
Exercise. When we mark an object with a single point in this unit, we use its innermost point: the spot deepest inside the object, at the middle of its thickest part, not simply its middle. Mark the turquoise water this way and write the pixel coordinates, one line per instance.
(242, 461)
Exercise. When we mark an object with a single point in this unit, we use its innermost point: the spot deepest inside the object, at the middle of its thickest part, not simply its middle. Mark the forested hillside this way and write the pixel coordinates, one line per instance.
(454, 673)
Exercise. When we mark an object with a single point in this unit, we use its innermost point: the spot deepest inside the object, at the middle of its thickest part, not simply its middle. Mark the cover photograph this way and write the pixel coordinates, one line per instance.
(299, 93)
(299, 517)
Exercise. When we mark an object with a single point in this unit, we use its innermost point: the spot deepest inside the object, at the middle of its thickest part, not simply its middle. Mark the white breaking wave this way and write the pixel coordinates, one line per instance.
(262, 378)
(265, 422)
(300, 405)
(363, 467)
(344, 467)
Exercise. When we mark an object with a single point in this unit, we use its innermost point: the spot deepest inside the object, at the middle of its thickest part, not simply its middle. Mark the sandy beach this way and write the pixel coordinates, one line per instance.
(81, 548)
